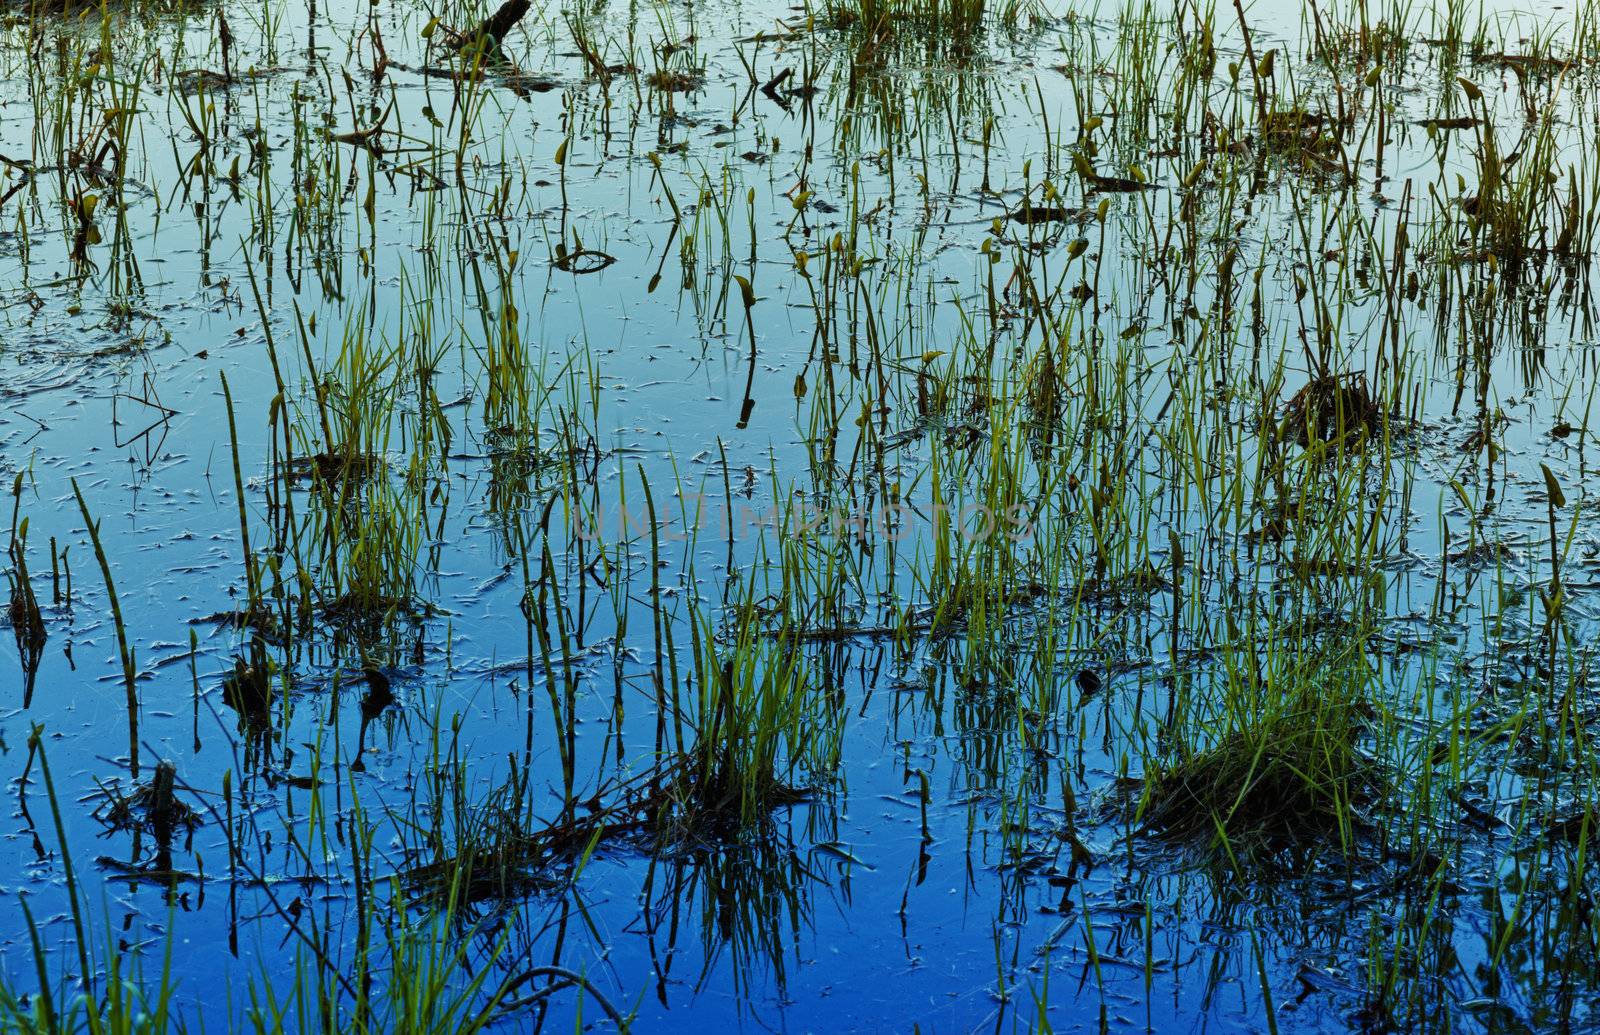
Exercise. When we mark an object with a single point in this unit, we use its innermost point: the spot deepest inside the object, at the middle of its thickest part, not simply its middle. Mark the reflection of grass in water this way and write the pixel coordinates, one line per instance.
(952, 25)
(429, 981)
(752, 905)
(1045, 401)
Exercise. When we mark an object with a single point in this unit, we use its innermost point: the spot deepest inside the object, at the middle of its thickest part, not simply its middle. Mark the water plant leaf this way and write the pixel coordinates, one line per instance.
(746, 290)
(1558, 499)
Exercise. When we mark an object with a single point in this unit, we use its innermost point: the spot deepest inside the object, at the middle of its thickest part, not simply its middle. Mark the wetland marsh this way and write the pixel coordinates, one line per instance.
(885, 515)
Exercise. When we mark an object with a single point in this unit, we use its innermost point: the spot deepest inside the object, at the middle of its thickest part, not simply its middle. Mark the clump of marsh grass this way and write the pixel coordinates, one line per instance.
(1290, 778)
(1519, 209)
(1331, 408)
(754, 729)
(370, 544)
(488, 849)
(1312, 138)
(477, 851)
(334, 468)
(1279, 768)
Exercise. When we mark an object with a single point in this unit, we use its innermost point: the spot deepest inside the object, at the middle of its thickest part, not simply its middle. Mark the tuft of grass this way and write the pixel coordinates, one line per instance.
(1282, 768)
(754, 729)
(1331, 408)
